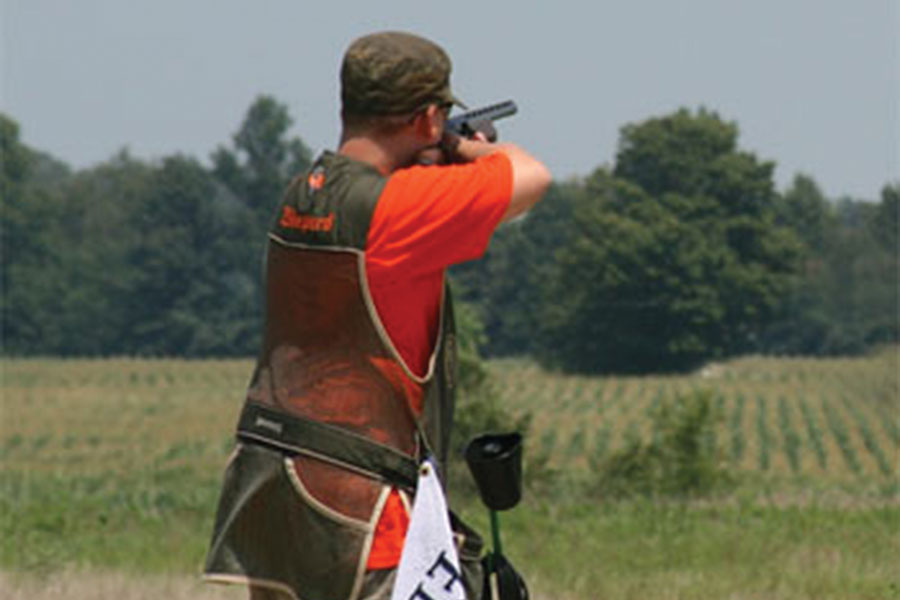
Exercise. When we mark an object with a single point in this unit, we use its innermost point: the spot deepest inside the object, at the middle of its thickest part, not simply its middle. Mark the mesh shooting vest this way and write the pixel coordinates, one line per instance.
(326, 358)
(327, 424)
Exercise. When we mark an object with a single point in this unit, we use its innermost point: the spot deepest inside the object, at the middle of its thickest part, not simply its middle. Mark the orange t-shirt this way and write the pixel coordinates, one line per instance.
(426, 219)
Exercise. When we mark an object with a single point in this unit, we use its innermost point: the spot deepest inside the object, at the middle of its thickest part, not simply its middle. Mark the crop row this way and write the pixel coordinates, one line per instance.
(829, 418)
(815, 423)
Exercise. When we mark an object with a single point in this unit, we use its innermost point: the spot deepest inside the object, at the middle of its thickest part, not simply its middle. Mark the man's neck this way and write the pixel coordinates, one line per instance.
(385, 154)
(367, 151)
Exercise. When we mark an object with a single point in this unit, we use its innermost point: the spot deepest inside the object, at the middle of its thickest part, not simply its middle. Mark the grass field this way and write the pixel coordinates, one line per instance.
(110, 473)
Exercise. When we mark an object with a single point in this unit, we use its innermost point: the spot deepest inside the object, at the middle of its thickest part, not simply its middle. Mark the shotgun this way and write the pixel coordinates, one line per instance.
(481, 119)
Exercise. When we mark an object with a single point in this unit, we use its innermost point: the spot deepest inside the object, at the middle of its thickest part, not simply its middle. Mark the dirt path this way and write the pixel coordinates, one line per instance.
(113, 586)
(96, 585)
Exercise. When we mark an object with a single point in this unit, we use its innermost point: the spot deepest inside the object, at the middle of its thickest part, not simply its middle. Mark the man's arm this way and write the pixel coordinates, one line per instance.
(530, 177)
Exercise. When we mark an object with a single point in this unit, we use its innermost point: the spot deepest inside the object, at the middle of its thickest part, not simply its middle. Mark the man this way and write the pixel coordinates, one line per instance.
(354, 384)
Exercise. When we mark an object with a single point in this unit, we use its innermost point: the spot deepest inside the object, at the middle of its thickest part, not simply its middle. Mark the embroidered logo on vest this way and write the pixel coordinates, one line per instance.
(264, 423)
(291, 219)
(316, 179)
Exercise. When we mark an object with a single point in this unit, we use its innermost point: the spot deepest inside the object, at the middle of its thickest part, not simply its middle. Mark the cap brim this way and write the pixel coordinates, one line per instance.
(459, 102)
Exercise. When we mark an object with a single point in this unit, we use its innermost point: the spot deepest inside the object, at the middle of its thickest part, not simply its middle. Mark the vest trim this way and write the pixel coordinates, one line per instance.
(268, 584)
(367, 526)
(369, 541)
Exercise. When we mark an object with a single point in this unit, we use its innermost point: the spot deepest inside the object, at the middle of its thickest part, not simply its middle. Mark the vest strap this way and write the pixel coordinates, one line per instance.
(298, 435)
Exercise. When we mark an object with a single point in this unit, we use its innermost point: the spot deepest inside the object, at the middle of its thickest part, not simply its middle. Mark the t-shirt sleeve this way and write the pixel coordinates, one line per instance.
(429, 218)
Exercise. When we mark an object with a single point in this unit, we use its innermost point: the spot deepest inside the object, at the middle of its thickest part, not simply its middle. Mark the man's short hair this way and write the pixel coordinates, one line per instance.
(393, 73)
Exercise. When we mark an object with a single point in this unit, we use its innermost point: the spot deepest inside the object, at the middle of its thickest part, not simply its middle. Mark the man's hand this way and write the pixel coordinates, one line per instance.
(433, 155)
(447, 152)
(484, 131)
(457, 149)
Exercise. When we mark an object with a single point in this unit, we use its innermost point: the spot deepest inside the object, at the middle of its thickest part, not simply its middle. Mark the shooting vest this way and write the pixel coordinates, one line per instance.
(327, 363)
(327, 424)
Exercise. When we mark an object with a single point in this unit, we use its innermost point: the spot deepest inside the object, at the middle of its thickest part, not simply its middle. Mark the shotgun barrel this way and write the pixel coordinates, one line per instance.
(466, 124)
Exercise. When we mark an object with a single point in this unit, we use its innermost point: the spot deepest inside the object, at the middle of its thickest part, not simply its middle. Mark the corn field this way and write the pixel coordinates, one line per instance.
(832, 418)
(837, 419)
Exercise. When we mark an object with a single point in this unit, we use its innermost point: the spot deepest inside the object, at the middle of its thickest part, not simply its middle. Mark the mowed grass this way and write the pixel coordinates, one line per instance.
(113, 463)
(113, 466)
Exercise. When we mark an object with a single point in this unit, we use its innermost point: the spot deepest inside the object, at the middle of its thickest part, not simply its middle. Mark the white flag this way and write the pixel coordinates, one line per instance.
(429, 565)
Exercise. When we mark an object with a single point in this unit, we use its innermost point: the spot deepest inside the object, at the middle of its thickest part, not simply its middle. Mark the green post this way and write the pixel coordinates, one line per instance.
(495, 532)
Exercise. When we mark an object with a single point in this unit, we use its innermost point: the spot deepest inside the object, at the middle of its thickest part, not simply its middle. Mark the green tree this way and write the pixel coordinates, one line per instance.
(695, 155)
(94, 237)
(887, 218)
(846, 297)
(263, 158)
(31, 286)
(256, 170)
(17, 245)
(130, 257)
(16, 160)
(673, 258)
(194, 299)
(885, 324)
(862, 274)
(805, 209)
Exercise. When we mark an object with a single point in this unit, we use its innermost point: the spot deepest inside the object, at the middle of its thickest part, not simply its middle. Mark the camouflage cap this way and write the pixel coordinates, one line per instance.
(392, 73)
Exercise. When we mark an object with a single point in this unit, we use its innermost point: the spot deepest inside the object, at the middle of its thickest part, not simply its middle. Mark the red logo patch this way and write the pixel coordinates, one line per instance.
(316, 180)
(291, 219)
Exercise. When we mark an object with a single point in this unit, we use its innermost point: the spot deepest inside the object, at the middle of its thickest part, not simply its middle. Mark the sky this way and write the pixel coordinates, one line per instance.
(813, 85)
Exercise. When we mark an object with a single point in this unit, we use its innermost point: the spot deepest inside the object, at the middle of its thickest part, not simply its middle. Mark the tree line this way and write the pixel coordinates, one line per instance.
(681, 251)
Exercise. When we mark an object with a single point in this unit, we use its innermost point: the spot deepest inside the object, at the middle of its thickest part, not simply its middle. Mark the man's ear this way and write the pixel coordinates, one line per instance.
(429, 124)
